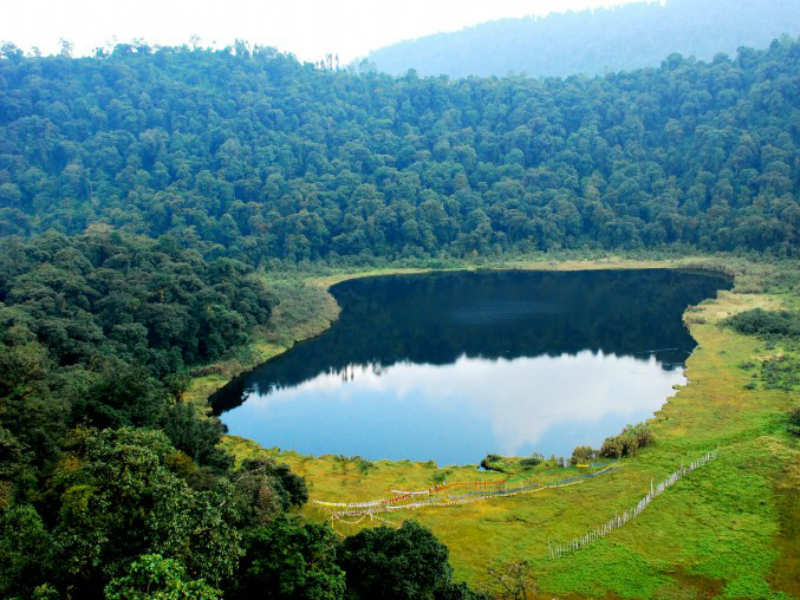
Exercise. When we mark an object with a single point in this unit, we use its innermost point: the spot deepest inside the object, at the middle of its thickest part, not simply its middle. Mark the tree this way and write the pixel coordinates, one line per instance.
(119, 500)
(582, 454)
(288, 559)
(240, 163)
(25, 551)
(196, 436)
(264, 489)
(513, 580)
(153, 577)
(399, 564)
(10, 195)
(122, 396)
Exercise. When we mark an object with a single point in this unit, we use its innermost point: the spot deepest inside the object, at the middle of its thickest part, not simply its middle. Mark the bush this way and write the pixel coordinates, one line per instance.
(582, 454)
(794, 422)
(440, 476)
(628, 442)
(489, 463)
(364, 466)
(766, 323)
(533, 460)
(612, 447)
(781, 373)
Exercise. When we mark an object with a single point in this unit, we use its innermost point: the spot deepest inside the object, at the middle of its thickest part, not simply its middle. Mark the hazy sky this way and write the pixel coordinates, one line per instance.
(308, 28)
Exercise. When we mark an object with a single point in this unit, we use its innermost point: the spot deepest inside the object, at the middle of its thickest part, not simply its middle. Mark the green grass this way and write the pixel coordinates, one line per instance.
(728, 529)
(304, 309)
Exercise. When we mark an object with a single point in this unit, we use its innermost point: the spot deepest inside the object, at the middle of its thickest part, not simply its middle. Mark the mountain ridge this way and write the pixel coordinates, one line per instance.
(593, 42)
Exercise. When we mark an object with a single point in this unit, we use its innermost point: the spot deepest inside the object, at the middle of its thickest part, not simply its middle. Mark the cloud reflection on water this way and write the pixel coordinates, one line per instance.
(509, 406)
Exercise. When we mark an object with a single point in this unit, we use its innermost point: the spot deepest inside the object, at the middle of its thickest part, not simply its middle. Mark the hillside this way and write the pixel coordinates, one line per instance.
(257, 157)
(594, 42)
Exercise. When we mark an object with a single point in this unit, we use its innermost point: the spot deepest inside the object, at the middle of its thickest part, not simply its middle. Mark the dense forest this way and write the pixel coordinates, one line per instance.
(142, 191)
(111, 486)
(249, 154)
(594, 42)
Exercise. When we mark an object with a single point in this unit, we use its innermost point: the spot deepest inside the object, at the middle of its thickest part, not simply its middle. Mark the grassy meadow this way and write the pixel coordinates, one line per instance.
(727, 530)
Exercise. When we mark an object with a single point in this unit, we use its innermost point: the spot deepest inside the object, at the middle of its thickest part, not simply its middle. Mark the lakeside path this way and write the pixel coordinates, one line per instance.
(728, 530)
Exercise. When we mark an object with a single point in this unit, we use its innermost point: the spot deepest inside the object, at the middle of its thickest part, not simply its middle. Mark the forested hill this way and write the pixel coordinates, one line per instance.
(255, 156)
(595, 42)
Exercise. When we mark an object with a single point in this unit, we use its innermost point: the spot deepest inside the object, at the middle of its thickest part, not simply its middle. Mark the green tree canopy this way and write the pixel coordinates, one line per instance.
(153, 577)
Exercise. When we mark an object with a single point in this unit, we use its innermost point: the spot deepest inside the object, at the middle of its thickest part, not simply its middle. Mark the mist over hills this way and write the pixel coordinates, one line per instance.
(594, 42)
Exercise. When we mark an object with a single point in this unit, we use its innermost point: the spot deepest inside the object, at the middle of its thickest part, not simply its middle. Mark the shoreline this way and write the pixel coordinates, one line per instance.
(665, 547)
(692, 264)
(207, 379)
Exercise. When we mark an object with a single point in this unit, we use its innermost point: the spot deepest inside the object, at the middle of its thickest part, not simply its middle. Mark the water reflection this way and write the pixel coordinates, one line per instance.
(459, 412)
(452, 367)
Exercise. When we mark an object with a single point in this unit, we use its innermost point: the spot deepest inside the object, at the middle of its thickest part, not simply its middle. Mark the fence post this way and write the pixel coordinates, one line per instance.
(621, 519)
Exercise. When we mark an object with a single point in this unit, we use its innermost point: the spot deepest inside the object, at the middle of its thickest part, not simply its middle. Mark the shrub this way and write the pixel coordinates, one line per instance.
(628, 442)
(264, 489)
(489, 463)
(533, 460)
(612, 447)
(766, 323)
(364, 466)
(794, 422)
(440, 476)
(582, 454)
(781, 373)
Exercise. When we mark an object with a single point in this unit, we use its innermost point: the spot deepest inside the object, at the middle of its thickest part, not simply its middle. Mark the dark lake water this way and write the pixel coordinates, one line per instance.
(452, 366)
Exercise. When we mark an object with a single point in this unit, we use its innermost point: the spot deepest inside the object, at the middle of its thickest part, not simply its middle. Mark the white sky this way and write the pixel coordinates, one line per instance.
(307, 28)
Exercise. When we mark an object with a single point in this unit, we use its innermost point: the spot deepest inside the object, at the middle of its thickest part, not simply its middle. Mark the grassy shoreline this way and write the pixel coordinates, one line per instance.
(725, 530)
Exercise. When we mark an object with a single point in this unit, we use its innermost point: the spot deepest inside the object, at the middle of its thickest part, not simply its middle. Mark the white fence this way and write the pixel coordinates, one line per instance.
(559, 550)
(410, 500)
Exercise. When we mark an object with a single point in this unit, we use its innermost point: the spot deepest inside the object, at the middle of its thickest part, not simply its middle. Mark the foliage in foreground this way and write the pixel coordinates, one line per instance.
(287, 559)
(111, 486)
(153, 577)
(407, 564)
(120, 516)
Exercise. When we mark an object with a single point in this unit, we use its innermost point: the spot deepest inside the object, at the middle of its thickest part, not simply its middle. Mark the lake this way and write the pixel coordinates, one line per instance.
(452, 366)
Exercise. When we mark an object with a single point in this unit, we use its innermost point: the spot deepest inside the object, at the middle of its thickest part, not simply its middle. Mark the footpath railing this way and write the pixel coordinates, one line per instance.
(558, 550)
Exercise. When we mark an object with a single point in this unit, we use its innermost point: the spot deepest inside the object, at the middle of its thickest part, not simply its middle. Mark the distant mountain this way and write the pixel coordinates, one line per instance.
(594, 42)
